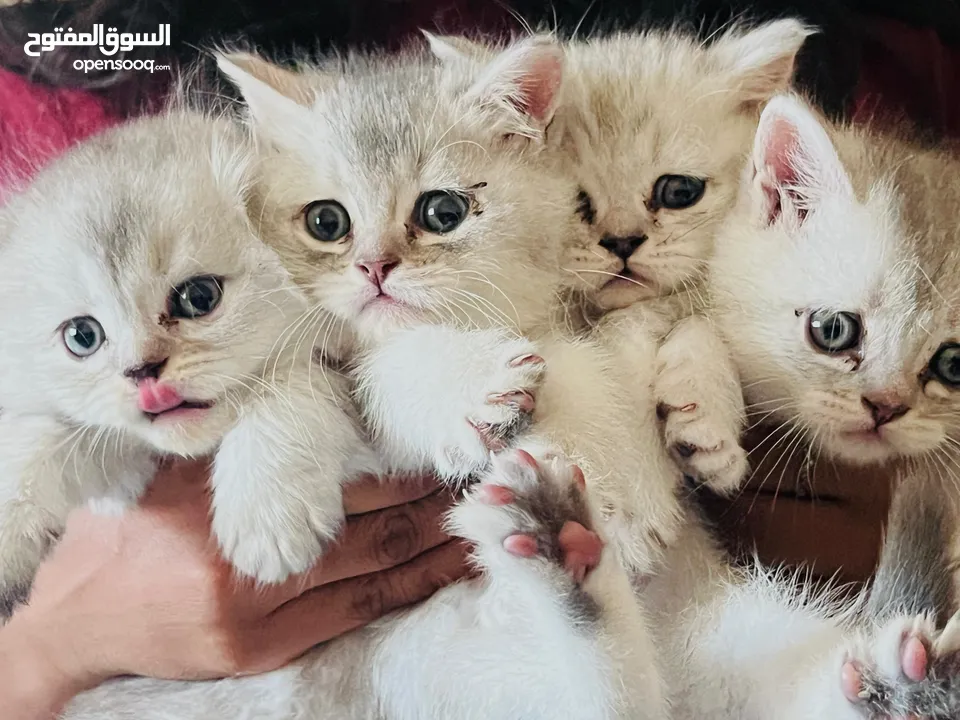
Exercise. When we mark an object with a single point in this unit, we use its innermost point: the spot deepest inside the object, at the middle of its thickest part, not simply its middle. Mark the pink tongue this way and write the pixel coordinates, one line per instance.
(156, 397)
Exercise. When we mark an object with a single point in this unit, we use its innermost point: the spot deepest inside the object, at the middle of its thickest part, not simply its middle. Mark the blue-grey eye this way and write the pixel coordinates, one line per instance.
(83, 336)
(196, 297)
(676, 192)
(834, 332)
(327, 220)
(945, 365)
(441, 211)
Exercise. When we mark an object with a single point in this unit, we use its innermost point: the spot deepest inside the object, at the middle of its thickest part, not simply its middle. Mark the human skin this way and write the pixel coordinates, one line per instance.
(829, 518)
(146, 593)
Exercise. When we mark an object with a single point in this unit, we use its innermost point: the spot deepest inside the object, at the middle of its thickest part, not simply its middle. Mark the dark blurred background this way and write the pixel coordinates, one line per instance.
(830, 67)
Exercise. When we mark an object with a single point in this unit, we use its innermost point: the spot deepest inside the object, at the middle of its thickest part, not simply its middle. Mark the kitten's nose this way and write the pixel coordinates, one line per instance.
(148, 369)
(623, 247)
(884, 409)
(377, 270)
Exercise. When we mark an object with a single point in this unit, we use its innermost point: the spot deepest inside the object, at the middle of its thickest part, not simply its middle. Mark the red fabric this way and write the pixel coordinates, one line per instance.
(908, 72)
(37, 123)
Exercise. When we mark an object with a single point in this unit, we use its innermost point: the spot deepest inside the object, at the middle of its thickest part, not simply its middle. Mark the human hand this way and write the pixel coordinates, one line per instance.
(147, 593)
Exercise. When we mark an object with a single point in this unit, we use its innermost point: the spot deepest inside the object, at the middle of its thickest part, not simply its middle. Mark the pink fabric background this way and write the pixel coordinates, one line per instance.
(37, 123)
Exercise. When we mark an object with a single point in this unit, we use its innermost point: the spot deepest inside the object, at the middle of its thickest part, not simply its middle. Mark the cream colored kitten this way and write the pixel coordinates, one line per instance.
(141, 315)
(655, 127)
(830, 220)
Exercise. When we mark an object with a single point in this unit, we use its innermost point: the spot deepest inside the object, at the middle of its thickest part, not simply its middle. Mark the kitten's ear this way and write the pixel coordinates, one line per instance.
(762, 60)
(274, 95)
(522, 85)
(795, 164)
(450, 49)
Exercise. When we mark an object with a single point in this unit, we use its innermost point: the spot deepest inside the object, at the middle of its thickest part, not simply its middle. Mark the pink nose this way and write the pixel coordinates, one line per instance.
(157, 397)
(884, 409)
(377, 270)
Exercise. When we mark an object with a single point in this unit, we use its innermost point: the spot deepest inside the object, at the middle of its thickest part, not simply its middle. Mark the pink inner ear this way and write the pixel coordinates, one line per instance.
(782, 146)
(538, 86)
(780, 152)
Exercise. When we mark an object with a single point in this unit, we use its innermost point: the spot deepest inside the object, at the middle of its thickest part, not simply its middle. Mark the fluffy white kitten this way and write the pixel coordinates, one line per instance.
(141, 315)
(821, 202)
(839, 309)
(415, 206)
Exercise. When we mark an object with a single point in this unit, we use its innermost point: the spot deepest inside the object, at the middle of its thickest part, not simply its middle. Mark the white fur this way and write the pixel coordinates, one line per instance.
(446, 658)
(107, 231)
(865, 227)
(761, 644)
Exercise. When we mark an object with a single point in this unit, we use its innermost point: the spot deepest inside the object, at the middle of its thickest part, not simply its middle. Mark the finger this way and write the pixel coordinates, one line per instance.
(370, 493)
(330, 611)
(176, 481)
(373, 542)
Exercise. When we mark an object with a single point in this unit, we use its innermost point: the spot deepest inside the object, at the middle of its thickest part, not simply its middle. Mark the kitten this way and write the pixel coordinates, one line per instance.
(415, 205)
(831, 220)
(409, 219)
(655, 127)
(838, 311)
(141, 315)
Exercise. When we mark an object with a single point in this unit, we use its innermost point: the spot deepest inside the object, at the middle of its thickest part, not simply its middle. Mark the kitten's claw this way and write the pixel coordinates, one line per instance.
(911, 670)
(702, 446)
(501, 412)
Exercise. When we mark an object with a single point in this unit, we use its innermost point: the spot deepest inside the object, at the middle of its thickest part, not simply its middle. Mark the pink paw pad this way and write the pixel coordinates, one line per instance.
(913, 658)
(496, 495)
(525, 458)
(579, 479)
(851, 680)
(581, 548)
(521, 546)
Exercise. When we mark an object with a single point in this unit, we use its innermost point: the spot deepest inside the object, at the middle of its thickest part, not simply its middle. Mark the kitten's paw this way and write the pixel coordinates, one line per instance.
(269, 545)
(533, 508)
(494, 410)
(909, 670)
(703, 445)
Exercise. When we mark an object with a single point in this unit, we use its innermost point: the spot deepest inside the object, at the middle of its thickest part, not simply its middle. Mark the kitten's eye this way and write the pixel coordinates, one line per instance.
(676, 192)
(196, 297)
(83, 336)
(834, 332)
(945, 365)
(441, 211)
(327, 220)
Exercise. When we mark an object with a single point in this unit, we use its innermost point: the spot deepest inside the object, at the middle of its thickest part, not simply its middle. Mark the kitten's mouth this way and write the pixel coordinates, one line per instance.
(184, 411)
(625, 278)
